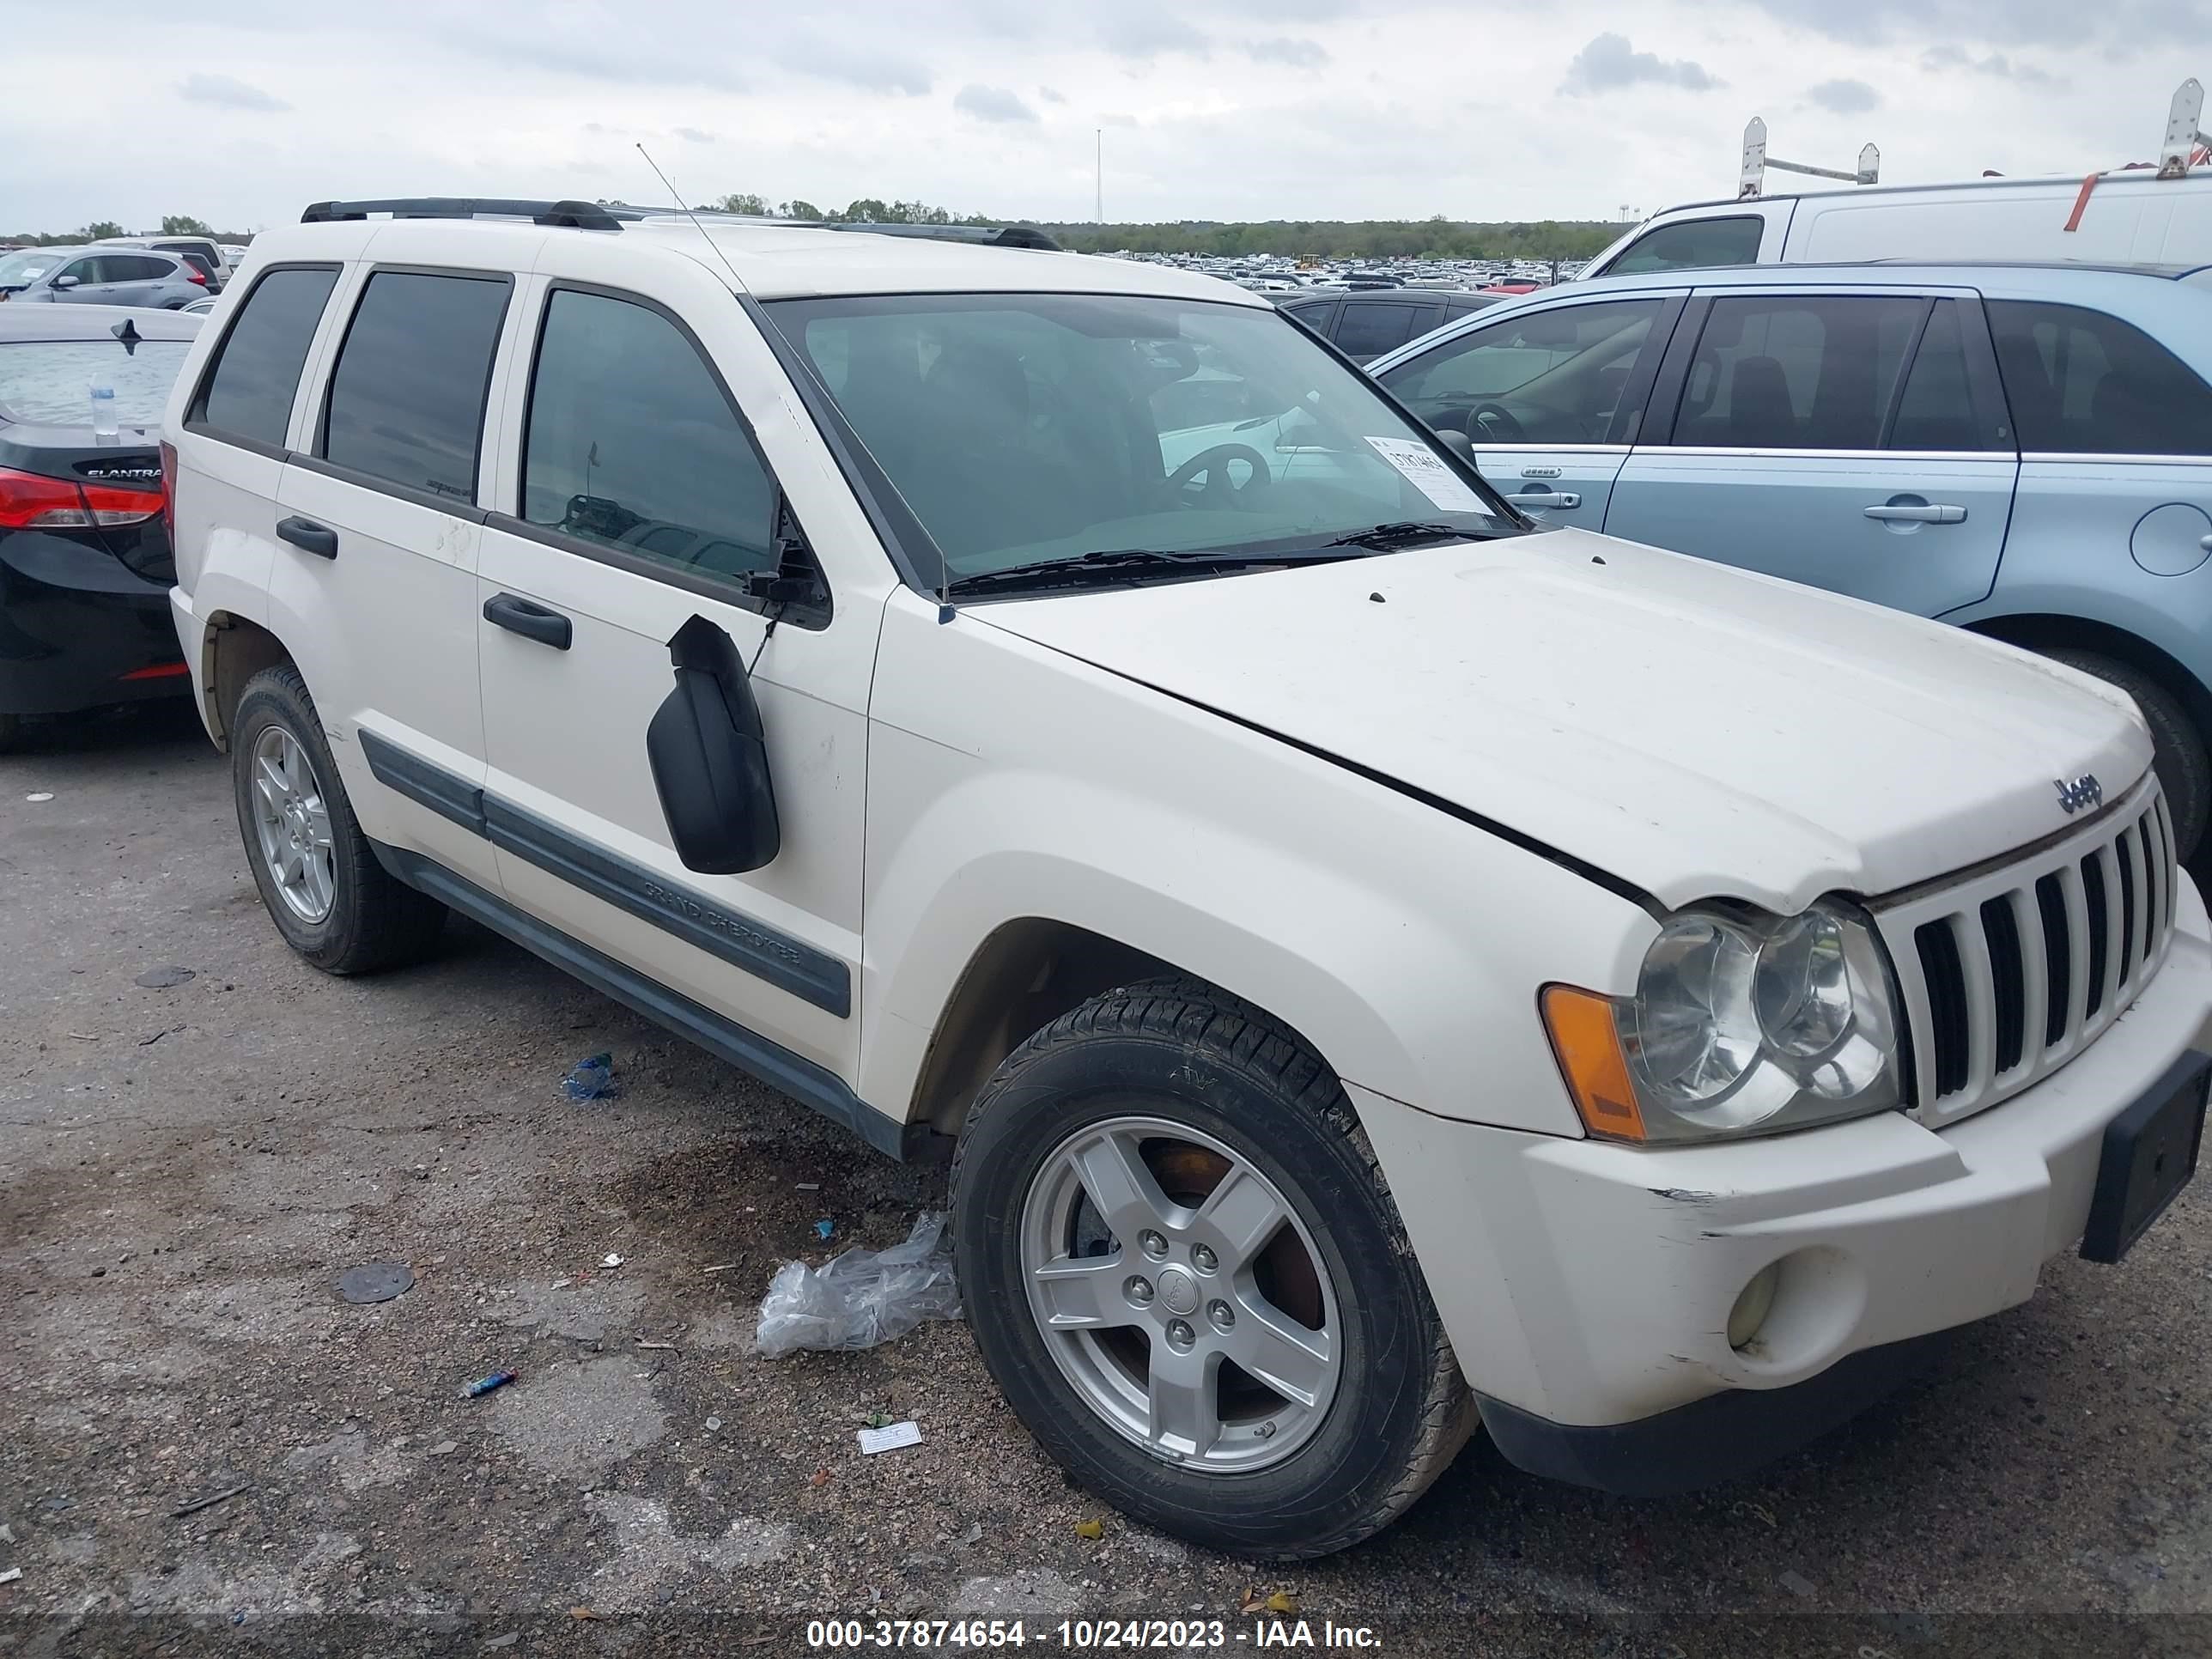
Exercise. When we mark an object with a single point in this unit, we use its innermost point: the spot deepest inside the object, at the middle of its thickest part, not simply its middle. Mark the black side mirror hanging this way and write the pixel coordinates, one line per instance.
(709, 757)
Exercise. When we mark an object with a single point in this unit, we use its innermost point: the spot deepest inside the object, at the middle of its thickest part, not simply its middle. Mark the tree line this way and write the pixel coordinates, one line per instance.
(1435, 238)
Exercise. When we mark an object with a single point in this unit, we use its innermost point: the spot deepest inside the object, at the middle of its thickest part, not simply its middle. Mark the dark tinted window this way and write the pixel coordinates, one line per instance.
(2084, 383)
(631, 442)
(1315, 315)
(1937, 411)
(1796, 372)
(257, 367)
(135, 268)
(407, 398)
(1547, 377)
(1368, 329)
(1692, 244)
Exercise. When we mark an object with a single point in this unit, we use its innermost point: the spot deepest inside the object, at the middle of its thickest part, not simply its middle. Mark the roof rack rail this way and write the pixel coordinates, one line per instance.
(574, 216)
(1027, 236)
(1756, 162)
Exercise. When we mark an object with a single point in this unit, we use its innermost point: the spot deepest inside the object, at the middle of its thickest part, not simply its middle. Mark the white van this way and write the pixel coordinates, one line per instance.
(2139, 215)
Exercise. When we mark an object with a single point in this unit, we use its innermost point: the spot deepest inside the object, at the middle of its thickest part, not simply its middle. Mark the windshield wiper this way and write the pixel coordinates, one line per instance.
(1117, 564)
(1384, 536)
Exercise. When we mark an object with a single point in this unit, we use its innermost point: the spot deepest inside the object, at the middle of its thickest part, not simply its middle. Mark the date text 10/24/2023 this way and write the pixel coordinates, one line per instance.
(1090, 1634)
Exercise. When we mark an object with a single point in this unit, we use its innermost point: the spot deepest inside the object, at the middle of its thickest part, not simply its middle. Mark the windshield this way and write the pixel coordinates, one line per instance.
(49, 382)
(1026, 428)
(20, 270)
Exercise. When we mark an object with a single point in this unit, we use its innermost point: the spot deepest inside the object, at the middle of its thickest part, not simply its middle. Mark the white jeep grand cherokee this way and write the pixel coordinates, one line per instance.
(1384, 969)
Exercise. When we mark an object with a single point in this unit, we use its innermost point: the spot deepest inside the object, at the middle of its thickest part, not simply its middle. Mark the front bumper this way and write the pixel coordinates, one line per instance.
(1587, 1285)
(79, 630)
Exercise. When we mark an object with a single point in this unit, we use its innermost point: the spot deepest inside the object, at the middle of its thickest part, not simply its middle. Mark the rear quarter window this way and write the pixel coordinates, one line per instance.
(250, 387)
(2082, 382)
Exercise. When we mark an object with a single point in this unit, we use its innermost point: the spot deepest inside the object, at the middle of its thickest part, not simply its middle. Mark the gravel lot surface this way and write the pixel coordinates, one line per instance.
(185, 1169)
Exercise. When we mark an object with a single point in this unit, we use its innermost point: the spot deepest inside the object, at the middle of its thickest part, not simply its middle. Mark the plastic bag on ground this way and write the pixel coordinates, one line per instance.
(862, 1297)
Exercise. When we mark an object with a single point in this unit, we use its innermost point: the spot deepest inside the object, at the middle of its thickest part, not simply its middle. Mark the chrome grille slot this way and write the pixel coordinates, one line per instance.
(2010, 971)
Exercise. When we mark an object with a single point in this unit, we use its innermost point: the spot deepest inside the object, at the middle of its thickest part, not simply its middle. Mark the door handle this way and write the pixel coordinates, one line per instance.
(1547, 498)
(533, 622)
(1899, 514)
(309, 537)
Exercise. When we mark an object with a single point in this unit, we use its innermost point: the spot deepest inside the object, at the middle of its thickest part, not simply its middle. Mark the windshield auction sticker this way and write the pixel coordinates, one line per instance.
(1425, 471)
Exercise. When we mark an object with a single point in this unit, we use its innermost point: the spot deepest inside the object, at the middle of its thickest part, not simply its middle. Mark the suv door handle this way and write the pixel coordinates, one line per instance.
(1893, 513)
(532, 621)
(309, 537)
(1547, 498)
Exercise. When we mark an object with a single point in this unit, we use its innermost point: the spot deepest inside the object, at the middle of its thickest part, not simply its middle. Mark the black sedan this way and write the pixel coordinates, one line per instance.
(85, 567)
(1364, 323)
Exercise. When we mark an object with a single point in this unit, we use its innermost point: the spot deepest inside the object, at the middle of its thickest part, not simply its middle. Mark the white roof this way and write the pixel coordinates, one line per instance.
(773, 261)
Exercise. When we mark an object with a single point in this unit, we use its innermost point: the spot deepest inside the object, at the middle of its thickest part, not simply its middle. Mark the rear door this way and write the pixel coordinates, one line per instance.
(139, 279)
(1550, 397)
(1850, 439)
(379, 535)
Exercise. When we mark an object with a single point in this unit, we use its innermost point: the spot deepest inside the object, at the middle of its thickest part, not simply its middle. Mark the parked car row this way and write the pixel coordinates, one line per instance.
(101, 274)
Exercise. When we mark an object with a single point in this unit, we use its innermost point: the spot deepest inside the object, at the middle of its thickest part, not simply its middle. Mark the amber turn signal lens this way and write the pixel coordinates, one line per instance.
(1588, 1046)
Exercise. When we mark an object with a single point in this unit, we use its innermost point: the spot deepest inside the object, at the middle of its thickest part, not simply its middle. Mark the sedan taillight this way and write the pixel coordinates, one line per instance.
(29, 502)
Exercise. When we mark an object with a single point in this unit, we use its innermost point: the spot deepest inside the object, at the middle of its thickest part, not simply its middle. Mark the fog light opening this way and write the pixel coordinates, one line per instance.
(1753, 1304)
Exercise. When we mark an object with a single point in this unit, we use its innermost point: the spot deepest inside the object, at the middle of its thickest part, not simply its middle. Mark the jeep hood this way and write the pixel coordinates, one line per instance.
(1691, 729)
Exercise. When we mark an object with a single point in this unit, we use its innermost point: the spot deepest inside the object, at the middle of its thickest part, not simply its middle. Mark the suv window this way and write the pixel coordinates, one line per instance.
(1938, 409)
(1797, 371)
(632, 442)
(1545, 377)
(134, 268)
(86, 270)
(1692, 244)
(1370, 329)
(407, 398)
(249, 389)
(2082, 383)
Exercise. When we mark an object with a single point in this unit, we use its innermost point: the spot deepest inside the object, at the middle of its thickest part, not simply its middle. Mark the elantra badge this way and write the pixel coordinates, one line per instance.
(2084, 791)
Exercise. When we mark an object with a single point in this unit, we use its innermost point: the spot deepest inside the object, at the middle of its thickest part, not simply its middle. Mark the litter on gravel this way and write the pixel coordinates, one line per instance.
(375, 1281)
(591, 1078)
(609, 1261)
(485, 1385)
(11, 1575)
(40, 794)
(161, 978)
(208, 1503)
(862, 1297)
(889, 1439)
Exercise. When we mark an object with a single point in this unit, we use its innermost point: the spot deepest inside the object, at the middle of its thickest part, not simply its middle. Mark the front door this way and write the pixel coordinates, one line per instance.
(1549, 396)
(643, 504)
(1853, 442)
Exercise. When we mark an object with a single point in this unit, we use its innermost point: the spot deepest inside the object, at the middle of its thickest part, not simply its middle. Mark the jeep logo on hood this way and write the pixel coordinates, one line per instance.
(2085, 791)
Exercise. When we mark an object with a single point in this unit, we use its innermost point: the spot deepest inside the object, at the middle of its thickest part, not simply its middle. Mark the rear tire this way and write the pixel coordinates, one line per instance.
(1181, 1085)
(2183, 771)
(349, 915)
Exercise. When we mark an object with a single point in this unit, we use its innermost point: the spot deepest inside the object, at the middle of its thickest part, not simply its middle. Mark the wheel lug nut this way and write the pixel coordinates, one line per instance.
(1204, 1259)
(1221, 1314)
(1138, 1291)
(1153, 1243)
(1180, 1335)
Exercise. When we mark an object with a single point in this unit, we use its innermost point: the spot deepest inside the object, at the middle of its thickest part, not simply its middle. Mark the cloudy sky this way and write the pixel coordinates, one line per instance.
(242, 110)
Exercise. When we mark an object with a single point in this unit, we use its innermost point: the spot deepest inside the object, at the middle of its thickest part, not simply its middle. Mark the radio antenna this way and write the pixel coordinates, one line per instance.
(692, 217)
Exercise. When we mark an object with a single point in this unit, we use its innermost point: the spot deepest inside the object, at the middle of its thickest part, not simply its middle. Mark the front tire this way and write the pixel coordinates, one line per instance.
(1183, 1266)
(329, 898)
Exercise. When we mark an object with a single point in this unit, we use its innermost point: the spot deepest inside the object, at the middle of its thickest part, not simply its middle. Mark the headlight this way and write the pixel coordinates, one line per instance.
(1741, 1022)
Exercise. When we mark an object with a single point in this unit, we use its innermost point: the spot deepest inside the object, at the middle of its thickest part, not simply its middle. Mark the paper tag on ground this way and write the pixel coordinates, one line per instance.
(890, 1439)
(1425, 471)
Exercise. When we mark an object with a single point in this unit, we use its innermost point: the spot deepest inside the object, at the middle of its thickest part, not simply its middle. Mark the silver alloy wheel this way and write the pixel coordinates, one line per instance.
(1143, 1297)
(292, 823)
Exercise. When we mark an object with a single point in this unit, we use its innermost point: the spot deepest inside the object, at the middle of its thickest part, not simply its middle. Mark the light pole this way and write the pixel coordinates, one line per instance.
(1098, 175)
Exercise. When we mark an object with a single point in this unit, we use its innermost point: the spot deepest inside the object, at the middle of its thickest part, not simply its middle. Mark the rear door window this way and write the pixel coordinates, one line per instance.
(1369, 329)
(1692, 244)
(249, 390)
(1938, 408)
(406, 400)
(2083, 383)
(632, 443)
(1797, 371)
